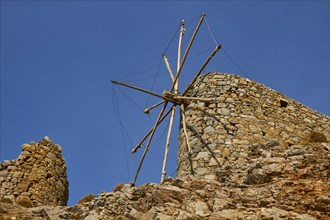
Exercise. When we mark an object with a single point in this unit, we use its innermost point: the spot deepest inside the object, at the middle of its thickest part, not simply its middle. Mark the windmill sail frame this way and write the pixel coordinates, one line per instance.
(171, 96)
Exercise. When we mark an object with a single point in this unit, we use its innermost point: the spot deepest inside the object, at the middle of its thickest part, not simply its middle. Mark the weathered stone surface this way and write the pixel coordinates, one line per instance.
(24, 201)
(197, 198)
(251, 126)
(256, 154)
(27, 180)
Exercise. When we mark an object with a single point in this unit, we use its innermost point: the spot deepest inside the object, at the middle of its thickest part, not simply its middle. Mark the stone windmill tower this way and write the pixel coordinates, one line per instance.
(249, 133)
(230, 124)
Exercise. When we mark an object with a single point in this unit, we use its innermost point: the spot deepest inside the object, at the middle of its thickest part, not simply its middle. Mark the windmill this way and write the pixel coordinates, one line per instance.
(173, 97)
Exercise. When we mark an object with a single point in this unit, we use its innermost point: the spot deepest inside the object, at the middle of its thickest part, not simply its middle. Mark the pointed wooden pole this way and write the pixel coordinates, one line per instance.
(149, 141)
(136, 88)
(147, 110)
(216, 49)
(176, 86)
(142, 90)
(187, 50)
(185, 128)
(168, 66)
(167, 146)
(149, 132)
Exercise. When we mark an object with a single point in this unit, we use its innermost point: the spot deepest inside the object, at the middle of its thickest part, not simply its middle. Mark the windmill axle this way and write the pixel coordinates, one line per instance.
(175, 97)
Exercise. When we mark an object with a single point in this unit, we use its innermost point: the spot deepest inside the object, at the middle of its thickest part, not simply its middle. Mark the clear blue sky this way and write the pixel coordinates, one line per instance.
(58, 57)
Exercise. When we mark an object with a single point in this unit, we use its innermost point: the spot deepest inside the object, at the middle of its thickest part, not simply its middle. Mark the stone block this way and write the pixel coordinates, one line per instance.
(24, 201)
(225, 111)
(209, 129)
(214, 162)
(212, 147)
(202, 155)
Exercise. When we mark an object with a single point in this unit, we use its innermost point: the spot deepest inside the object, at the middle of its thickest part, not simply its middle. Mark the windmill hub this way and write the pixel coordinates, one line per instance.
(176, 99)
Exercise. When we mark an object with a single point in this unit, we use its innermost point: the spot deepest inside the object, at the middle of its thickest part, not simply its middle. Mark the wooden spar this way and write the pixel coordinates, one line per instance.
(176, 91)
(173, 96)
(147, 110)
(137, 88)
(176, 86)
(149, 141)
(216, 49)
(143, 90)
(168, 66)
(187, 51)
(167, 145)
(185, 128)
(180, 45)
(149, 132)
(178, 100)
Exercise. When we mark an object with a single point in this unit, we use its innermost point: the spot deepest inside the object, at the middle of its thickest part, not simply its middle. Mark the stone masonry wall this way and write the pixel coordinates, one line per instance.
(256, 154)
(250, 133)
(37, 177)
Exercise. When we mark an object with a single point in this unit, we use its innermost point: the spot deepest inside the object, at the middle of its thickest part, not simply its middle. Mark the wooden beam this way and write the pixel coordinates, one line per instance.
(149, 132)
(180, 99)
(187, 51)
(142, 90)
(216, 49)
(149, 141)
(176, 86)
(167, 145)
(168, 66)
(147, 110)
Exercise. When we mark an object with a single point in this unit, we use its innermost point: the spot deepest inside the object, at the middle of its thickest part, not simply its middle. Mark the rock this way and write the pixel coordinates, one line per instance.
(24, 201)
(209, 129)
(225, 153)
(201, 155)
(46, 138)
(28, 147)
(86, 199)
(225, 111)
(230, 100)
(326, 146)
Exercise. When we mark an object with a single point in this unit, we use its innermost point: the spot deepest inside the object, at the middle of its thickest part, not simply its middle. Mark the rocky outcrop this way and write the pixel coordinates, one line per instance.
(197, 198)
(256, 154)
(37, 177)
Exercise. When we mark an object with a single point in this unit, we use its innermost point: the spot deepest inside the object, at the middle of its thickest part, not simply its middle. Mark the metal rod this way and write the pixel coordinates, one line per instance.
(147, 110)
(149, 141)
(187, 50)
(149, 132)
(185, 128)
(168, 66)
(142, 90)
(167, 146)
(216, 49)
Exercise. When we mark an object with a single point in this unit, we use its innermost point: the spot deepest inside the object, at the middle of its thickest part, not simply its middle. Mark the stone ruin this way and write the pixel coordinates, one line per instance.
(37, 177)
(248, 134)
(256, 154)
